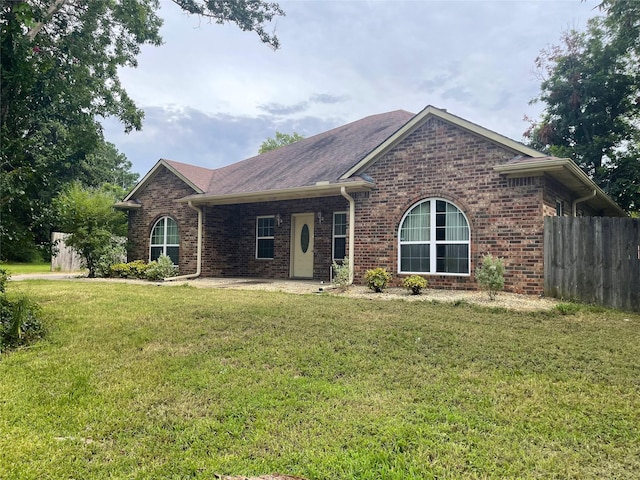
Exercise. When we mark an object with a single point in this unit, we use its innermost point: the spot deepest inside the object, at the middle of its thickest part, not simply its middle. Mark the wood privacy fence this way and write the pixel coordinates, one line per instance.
(593, 260)
(64, 259)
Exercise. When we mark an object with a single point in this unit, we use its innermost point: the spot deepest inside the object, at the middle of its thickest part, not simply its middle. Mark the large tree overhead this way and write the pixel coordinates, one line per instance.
(590, 86)
(59, 63)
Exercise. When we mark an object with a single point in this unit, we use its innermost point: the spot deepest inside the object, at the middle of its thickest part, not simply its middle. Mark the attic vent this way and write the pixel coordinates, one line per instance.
(521, 182)
(323, 182)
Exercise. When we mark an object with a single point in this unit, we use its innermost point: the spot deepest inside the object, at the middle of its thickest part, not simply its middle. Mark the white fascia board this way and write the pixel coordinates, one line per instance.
(313, 191)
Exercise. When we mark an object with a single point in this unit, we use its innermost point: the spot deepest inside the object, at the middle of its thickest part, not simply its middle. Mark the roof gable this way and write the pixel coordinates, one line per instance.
(429, 112)
(198, 178)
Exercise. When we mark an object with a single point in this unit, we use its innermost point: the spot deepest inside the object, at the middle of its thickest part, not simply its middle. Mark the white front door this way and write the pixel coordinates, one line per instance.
(302, 246)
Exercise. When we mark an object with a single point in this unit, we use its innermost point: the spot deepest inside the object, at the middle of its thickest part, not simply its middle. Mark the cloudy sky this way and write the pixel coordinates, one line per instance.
(212, 94)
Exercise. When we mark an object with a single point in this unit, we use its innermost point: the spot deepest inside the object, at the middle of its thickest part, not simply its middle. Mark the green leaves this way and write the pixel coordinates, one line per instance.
(590, 86)
(90, 219)
(280, 140)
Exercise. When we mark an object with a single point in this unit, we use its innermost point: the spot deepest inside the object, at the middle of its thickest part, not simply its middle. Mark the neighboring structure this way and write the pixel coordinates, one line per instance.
(424, 194)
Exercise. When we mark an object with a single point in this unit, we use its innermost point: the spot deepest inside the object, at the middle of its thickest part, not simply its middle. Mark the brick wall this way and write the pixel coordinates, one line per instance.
(443, 161)
(158, 199)
(230, 238)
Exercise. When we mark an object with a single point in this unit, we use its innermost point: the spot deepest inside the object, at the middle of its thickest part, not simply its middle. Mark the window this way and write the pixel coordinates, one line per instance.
(339, 235)
(559, 208)
(434, 238)
(265, 230)
(165, 240)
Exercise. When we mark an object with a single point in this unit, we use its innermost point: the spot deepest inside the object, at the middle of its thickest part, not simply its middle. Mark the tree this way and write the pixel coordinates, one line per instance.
(59, 62)
(280, 140)
(591, 91)
(88, 216)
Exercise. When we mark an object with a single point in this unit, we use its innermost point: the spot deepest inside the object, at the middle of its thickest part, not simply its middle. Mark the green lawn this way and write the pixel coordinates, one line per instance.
(137, 381)
(20, 268)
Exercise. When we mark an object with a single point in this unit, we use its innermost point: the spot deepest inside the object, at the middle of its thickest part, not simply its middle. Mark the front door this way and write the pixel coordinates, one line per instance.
(302, 246)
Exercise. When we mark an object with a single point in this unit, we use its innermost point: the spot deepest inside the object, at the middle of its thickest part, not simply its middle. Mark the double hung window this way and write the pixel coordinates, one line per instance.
(339, 235)
(265, 236)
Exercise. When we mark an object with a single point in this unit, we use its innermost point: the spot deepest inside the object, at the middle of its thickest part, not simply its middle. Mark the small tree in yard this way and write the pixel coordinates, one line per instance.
(88, 216)
(490, 275)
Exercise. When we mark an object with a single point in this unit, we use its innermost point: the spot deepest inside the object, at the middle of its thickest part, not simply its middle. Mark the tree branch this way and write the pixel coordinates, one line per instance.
(52, 10)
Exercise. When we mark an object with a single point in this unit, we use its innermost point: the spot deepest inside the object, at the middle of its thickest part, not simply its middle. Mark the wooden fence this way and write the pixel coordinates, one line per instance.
(593, 260)
(64, 259)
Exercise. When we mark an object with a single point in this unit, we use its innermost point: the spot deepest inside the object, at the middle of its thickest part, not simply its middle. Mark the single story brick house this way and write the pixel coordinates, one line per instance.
(425, 194)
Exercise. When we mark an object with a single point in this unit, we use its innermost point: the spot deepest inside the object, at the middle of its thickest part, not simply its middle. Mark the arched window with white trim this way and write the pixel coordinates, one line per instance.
(434, 237)
(165, 240)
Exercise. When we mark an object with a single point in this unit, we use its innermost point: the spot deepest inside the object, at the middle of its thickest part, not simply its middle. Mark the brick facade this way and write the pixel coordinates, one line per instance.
(439, 160)
(436, 160)
(159, 199)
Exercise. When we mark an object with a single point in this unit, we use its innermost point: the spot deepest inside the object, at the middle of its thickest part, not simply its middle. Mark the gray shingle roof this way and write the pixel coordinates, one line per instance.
(320, 158)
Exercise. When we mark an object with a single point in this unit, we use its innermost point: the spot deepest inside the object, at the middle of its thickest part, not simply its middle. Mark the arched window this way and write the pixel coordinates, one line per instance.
(434, 238)
(165, 240)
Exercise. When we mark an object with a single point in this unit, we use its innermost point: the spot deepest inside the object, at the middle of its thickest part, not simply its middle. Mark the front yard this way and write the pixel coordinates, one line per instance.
(140, 381)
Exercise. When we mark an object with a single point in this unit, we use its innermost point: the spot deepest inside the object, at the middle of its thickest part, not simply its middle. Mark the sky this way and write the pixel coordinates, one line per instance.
(212, 93)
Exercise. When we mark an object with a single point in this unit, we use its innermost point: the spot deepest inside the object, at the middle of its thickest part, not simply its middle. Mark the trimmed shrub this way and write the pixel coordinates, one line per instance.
(135, 269)
(415, 284)
(377, 279)
(490, 275)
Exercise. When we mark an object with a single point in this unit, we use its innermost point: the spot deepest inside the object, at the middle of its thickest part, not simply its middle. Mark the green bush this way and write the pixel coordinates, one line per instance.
(415, 283)
(341, 277)
(19, 318)
(111, 255)
(490, 275)
(161, 268)
(135, 269)
(377, 279)
(4, 278)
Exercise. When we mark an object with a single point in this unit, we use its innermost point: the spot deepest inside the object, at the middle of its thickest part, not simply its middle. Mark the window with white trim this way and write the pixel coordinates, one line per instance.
(265, 237)
(165, 240)
(434, 238)
(339, 235)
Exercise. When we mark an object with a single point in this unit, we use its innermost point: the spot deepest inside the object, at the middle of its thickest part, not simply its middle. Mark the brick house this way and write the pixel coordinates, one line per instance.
(424, 194)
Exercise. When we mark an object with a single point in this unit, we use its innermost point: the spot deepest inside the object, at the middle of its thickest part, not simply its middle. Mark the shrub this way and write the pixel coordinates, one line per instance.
(19, 318)
(135, 269)
(110, 256)
(415, 283)
(341, 276)
(490, 275)
(377, 279)
(161, 268)
(4, 278)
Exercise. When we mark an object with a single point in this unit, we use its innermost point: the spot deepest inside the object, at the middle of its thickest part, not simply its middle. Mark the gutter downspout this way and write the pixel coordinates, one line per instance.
(580, 200)
(352, 230)
(199, 249)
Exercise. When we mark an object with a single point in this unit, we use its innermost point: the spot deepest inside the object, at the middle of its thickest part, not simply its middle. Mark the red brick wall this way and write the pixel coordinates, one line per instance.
(442, 161)
(158, 199)
(230, 238)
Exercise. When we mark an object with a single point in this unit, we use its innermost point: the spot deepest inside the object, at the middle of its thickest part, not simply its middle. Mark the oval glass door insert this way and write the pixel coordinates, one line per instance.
(304, 238)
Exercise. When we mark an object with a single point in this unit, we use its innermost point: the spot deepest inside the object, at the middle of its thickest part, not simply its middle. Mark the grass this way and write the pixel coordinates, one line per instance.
(137, 381)
(21, 268)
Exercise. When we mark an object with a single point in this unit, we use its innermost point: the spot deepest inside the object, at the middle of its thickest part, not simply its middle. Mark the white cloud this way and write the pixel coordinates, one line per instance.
(213, 93)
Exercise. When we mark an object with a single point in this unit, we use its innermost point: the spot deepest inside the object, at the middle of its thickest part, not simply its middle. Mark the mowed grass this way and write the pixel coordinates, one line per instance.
(137, 381)
(22, 268)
